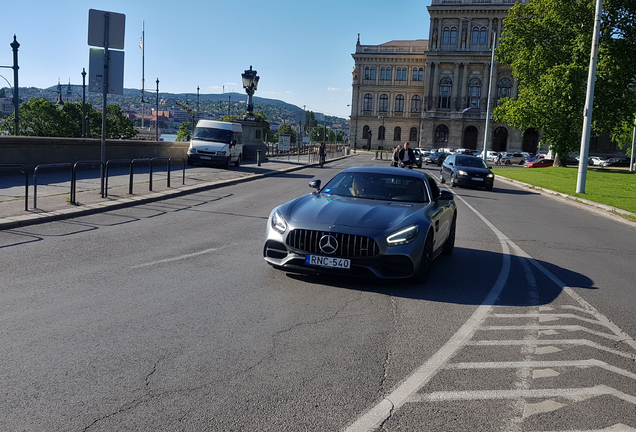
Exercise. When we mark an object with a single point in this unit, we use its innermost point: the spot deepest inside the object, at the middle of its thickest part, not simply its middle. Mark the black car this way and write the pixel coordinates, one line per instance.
(463, 170)
(435, 158)
(418, 157)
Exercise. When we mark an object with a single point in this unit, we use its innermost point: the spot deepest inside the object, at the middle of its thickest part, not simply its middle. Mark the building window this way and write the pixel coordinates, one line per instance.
(441, 134)
(399, 103)
(388, 73)
(414, 74)
(474, 93)
(421, 74)
(504, 89)
(482, 36)
(372, 73)
(453, 36)
(416, 104)
(384, 103)
(382, 74)
(475, 40)
(365, 132)
(445, 93)
(397, 134)
(381, 132)
(366, 73)
(368, 102)
(446, 37)
(413, 134)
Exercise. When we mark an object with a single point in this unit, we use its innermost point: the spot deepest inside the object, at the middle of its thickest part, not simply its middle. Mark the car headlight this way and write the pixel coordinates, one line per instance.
(279, 224)
(221, 153)
(462, 172)
(403, 236)
(192, 150)
(491, 175)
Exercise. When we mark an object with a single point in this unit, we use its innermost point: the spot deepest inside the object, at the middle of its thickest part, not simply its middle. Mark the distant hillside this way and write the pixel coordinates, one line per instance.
(275, 110)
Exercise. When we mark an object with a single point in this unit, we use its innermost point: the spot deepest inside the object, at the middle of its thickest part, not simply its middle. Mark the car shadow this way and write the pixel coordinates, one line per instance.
(467, 277)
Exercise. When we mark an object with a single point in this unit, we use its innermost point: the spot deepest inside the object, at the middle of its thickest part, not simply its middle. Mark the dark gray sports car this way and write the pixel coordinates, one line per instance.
(366, 221)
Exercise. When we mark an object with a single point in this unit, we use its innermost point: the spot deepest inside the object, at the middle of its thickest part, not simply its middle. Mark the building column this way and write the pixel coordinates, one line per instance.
(435, 86)
(458, 89)
(464, 101)
(427, 85)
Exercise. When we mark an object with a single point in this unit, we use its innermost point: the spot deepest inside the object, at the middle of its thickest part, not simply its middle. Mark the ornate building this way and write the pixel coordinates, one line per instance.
(434, 93)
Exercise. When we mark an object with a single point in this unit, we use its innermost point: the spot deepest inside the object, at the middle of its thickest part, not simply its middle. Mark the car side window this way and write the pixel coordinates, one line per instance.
(434, 189)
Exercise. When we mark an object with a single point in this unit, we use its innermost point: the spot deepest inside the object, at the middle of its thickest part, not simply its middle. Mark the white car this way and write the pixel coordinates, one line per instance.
(598, 161)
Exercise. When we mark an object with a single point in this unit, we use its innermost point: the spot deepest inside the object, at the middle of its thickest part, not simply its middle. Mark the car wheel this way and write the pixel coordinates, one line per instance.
(489, 188)
(508, 162)
(427, 260)
(226, 164)
(449, 244)
(238, 162)
(453, 182)
(520, 162)
(441, 177)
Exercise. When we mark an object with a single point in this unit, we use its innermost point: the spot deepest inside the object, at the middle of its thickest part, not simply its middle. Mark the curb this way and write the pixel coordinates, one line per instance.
(88, 209)
(610, 212)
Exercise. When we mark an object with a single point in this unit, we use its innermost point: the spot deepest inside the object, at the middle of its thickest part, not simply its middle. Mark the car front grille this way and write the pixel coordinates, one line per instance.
(348, 245)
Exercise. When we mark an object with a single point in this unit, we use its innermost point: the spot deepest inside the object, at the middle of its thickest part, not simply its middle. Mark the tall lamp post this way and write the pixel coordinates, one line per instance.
(250, 84)
(83, 102)
(489, 104)
(16, 99)
(157, 114)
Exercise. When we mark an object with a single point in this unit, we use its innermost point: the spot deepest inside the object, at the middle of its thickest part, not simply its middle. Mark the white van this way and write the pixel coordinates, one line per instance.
(216, 143)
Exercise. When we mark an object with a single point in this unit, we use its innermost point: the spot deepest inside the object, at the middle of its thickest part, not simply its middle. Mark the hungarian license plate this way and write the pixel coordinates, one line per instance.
(205, 157)
(330, 262)
(477, 179)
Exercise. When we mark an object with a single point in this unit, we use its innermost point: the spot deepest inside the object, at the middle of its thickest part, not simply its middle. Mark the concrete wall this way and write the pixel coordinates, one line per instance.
(33, 151)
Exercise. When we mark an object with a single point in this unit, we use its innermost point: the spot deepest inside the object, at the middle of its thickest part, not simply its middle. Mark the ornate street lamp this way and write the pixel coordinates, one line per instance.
(250, 84)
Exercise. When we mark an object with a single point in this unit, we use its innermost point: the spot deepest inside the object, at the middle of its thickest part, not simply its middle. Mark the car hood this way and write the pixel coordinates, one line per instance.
(331, 210)
(474, 170)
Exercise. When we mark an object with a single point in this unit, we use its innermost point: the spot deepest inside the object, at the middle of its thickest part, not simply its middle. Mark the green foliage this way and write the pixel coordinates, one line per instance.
(40, 117)
(286, 129)
(317, 134)
(548, 45)
(184, 131)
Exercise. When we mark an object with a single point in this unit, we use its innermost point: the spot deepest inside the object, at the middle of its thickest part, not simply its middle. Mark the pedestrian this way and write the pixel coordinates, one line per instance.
(407, 157)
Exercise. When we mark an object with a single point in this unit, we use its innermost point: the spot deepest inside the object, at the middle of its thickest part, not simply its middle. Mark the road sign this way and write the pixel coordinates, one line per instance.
(116, 29)
(115, 71)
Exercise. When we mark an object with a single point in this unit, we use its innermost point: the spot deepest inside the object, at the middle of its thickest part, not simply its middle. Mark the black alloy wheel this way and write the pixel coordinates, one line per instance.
(449, 244)
(427, 259)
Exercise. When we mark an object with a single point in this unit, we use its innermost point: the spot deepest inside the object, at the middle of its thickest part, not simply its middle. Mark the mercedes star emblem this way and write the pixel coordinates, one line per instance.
(328, 244)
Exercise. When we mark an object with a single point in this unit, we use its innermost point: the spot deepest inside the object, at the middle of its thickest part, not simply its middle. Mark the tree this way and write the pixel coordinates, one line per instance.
(286, 129)
(184, 131)
(548, 45)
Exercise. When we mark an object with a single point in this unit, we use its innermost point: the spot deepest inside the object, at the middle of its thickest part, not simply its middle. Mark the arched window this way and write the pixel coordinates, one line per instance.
(399, 103)
(470, 138)
(372, 73)
(365, 132)
(381, 132)
(445, 93)
(482, 36)
(500, 139)
(414, 74)
(453, 36)
(399, 74)
(368, 102)
(413, 134)
(441, 134)
(384, 103)
(397, 134)
(504, 89)
(388, 73)
(382, 73)
(446, 37)
(474, 93)
(475, 40)
(416, 104)
(421, 74)
(367, 73)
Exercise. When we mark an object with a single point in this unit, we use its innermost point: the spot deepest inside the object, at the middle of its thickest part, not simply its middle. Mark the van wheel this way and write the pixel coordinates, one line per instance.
(238, 162)
(226, 165)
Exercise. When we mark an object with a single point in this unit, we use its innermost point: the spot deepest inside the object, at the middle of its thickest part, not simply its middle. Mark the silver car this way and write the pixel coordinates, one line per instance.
(513, 158)
(366, 221)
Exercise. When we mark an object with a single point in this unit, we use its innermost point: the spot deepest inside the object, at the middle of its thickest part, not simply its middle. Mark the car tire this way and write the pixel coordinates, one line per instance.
(426, 263)
(226, 164)
(449, 244)
(238, 162)
(508, 162)
(441, 178)
(489, 188)
(453, 182)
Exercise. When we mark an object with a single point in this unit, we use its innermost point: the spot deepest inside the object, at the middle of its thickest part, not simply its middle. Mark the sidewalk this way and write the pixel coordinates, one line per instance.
(53, 189)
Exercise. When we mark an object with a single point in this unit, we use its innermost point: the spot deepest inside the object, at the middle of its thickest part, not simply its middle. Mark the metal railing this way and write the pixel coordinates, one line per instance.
(35, 178)
(26, 182)
(74, 175)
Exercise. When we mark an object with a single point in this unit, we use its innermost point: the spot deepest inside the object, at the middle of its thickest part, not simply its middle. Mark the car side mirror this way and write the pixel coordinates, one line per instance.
(445, 195)
(232, 143)
(315, 184)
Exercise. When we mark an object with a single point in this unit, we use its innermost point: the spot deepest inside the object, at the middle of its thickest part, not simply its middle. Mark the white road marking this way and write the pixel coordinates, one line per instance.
(177, 258)
(550, 330)
(583, 342)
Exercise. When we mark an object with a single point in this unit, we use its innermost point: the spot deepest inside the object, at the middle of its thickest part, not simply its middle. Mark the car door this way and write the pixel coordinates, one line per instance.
(441, 215)
(447, 168)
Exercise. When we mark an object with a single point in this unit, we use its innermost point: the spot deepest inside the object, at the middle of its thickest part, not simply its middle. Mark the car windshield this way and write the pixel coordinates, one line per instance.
(377, 186)
(470, 161)
(212, 134)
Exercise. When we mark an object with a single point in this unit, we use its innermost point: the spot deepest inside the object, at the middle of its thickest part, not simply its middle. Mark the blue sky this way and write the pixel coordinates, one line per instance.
(301, 49)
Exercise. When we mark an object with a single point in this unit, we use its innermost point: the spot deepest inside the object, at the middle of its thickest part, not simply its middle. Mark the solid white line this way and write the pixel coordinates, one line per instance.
(178, 258)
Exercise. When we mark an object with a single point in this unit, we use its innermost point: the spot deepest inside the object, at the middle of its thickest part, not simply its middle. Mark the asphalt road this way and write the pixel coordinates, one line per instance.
(165, 317)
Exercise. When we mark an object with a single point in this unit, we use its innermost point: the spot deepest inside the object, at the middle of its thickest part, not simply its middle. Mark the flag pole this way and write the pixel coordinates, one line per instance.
(142, 45)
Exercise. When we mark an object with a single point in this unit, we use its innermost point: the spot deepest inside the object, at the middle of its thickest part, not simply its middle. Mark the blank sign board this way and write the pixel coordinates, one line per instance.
(96, 26)
(115, 71)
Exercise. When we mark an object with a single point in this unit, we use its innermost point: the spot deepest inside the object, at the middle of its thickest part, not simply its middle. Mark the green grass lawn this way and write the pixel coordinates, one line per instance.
(616, 188)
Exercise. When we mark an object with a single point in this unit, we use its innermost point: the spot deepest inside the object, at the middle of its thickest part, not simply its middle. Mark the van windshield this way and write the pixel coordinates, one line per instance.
(213, 134)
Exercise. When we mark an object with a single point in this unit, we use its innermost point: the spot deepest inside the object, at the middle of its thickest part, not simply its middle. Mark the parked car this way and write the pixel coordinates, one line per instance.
(418, 157)
(589, 160)
(436, 158)
(366, 221)
(513, 158)
(462, 170)
(618, 162)
(541, 163)
(598, 160)
(490, 155)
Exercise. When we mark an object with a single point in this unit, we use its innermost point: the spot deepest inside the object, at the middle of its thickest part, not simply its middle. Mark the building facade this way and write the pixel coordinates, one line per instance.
(433, 93)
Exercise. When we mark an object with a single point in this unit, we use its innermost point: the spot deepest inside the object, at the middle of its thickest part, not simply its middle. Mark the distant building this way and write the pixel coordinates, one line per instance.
(6, 105)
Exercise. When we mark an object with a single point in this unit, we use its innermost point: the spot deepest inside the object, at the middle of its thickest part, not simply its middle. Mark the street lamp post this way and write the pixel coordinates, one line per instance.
(489, 104)
(250, 84)
(157, 114)
(16, 104)
(382, 137)
(631, 161)
(83, 102)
